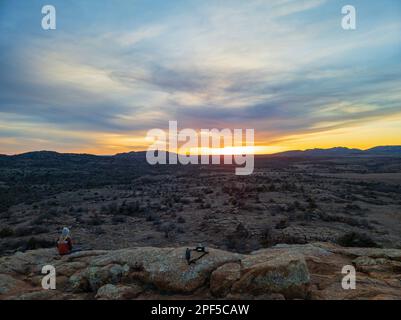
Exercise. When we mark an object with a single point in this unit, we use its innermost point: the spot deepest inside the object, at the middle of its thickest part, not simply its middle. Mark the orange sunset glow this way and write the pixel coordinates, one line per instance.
(99, 83)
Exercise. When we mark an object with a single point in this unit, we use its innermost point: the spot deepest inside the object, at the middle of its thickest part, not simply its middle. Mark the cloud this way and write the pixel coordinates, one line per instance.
(134, 37)
(279, 67)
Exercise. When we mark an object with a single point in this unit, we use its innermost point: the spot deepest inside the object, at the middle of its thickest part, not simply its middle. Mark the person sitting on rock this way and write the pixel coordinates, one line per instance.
(64, 243)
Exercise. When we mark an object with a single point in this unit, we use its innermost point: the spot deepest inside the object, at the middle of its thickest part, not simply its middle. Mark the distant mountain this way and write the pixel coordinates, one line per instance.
(343, 152)
(49, 158)
(141, 155)
(136, 155)
(131, 155)
(52, 155)
(39, 155)
(385, 150)
(337, 151)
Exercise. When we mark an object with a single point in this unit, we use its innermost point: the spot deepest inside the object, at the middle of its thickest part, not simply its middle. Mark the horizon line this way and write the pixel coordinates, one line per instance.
(209, 154)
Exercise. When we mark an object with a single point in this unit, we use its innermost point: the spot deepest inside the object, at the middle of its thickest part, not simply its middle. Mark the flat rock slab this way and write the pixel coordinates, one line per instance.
(310, 271)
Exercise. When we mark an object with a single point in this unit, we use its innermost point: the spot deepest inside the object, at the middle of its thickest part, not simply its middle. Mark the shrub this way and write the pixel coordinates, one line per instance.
(282, 224)
(312, 203)
(112, 208)
(28, 231)
(118, 219)
(237, 240)
(43, 217)
(354, 239)
(351, 207)
(35, 243)
(130, 209)
(98, 231)
(270, 237)
(266, 237)
(95, 220)
(180, 230)
(181, 219)
(205, 205)
(6, 232)
(167, 228)
(152, 217)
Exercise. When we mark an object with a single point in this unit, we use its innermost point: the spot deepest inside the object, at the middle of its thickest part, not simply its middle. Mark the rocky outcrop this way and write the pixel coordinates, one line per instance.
(285, 273)
(310, 271)
(119, 292)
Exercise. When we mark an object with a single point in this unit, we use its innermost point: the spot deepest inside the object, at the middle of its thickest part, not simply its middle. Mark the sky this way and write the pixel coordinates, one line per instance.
(112, 70)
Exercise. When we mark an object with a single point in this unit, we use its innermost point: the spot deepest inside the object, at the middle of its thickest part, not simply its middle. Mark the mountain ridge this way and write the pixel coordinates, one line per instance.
(390, 150)
(343, 151)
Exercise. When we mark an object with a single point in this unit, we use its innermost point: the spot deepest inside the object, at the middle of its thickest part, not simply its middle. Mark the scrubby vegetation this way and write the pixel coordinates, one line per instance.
(355, 239)
(115, 202)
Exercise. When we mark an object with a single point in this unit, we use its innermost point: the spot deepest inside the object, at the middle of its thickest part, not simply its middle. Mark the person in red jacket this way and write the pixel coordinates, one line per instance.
(64, 243)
